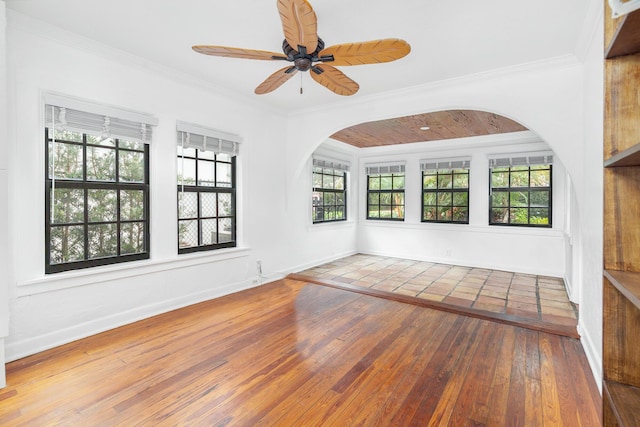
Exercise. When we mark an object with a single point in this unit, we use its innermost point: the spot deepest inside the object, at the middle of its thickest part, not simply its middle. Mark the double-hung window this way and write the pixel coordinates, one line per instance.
(206, 188)
(521, 190)
(97, 184)
(445, 190)
(385, 192)
(329, 198)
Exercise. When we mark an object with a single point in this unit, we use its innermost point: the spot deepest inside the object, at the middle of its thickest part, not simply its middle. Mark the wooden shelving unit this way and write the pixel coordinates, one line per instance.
(621, 282)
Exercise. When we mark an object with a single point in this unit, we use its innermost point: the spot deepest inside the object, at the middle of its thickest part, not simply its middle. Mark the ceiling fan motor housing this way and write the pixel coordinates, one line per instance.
(302, 60)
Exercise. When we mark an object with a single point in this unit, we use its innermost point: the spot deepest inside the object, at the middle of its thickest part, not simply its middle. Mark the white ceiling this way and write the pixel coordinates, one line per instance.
(448, 38)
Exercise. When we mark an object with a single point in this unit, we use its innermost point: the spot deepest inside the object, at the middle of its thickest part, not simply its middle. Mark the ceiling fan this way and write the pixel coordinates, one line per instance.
(305, 50)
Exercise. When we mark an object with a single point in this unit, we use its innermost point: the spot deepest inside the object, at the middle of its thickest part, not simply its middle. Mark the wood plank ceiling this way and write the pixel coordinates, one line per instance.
(442, 125)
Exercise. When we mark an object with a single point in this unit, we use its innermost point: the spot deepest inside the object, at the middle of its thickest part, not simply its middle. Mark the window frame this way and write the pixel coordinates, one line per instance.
(324, 191)
(452, 171)
(87, 185)
(509, 189)
(390, 191)
(214, 189)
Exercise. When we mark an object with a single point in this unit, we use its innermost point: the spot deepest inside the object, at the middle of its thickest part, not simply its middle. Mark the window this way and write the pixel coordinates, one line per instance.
(445, 191)
(206, 189)
(97, 188)
(521, 191)
(329, 199)
(385, 192)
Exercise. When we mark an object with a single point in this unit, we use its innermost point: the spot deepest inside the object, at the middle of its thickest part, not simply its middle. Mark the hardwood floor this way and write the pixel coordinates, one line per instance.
(292, 353)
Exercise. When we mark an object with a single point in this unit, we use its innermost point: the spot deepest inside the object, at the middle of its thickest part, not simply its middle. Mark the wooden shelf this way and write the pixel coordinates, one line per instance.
(628, 157)
(626, 40)
(624, 401)
(627, 283)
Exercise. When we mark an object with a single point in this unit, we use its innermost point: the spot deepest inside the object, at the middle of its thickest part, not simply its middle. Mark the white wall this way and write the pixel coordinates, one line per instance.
(4, 189)
(525, 250)
(47, 310)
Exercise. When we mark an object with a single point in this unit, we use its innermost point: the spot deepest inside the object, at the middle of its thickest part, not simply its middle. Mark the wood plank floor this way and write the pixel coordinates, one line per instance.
(291, 353)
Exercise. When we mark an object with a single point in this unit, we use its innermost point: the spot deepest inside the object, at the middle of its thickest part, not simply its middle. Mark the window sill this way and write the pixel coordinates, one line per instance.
(72, 279)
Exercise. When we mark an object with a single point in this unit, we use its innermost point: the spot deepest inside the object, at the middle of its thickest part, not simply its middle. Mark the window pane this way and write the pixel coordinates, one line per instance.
(131, 205)
(539, 198)
(132, 236)
(374, 182)
(386, 182)
(223, 158)
(520, 179)
(429, 214)
(339, 182)
(131, 166)
(398, 182)
(519, 215)
(340, 212)
(499, 179)
(103, 205)
(188, 233)
(340, 199)
(539, 216)
(187, 204)
(374, 198)
(317, 180)
(500, 215)
(317, 213)
(327, 181)
(329, 213)
(444, 181)
(103, 240)
(224, 230)
(398, 199)
(429, 181)
(66, 135)
(461, 180)
(133, 145)
(461, 214)
(385, 211)
(208, 155)
(444, 199)
(209, 232)
(460, 199)
(429, 198)
(187, 152)
(444, 214)
(99, 140)
(373, 212)
(206, 173)
(186, 171)
(224, 175)
(66, 244)
(67, 161)
(329, 199)
(208, 204)
(398, 212)
(500, 199)
(67, 206)
(101, 164)
(519, 198)
(540, 178)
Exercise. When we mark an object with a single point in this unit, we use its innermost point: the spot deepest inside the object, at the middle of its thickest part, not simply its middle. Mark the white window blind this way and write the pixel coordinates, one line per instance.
(333, 164)
(77, 115)
(385, 168)
(521, 159)
(207, 139)
(448, 163)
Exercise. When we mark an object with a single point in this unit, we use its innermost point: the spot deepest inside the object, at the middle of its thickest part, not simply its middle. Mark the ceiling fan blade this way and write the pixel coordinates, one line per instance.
(275, 80)
(235, 52)
(299, 24)
(333, 79)
(371, 52)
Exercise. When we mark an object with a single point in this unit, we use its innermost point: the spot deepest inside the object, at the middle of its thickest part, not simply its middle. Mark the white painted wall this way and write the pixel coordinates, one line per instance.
(525, 250)
(5, 265)
(47, 310)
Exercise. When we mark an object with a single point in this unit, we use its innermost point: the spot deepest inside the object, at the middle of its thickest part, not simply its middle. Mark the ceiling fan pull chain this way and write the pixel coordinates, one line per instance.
(300, 83)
